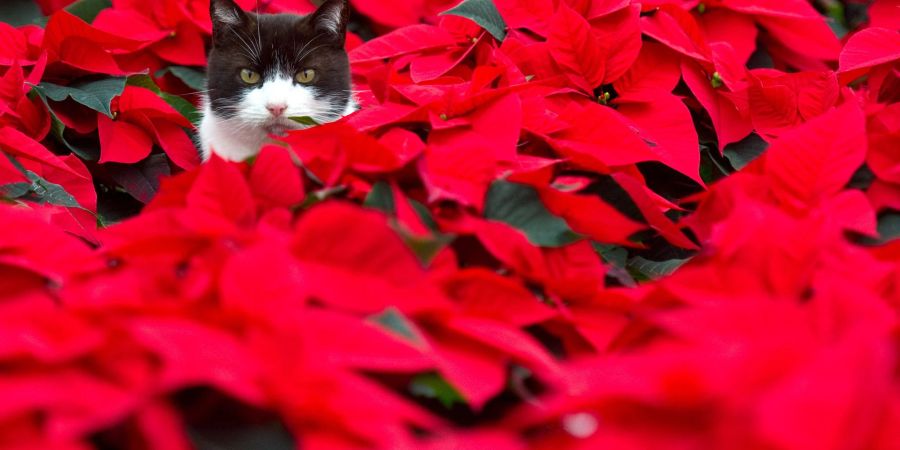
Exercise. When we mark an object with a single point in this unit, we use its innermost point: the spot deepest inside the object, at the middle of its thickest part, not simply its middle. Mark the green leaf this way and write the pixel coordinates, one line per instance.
(184, 107)
(59, 131)
(14, 190)
(484, 13)
(88, 10)
(862, 179)
(272, 436)
(711, 169)
(43, 191)
(97, 95)
(143, 80)
(381, 198)
(612, 254)
(889, 227)
(141, 180)
(434, 386)
(19, 12)
(519, 205)
(426, 248)
(192, 78)
(393, 321)
(655, 269)
(617, 258)
(745, 151)
(304, 120)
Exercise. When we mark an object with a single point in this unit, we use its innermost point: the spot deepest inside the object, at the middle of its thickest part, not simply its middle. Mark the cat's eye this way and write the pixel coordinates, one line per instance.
(305, 76)
(250, 77)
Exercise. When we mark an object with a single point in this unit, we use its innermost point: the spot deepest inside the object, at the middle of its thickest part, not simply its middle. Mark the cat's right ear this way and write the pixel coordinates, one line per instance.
(331, 18)
(226, 16)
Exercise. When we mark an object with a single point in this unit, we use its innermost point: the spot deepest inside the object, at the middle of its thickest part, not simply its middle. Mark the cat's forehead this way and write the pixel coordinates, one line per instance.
(274, 39)
(283, 28)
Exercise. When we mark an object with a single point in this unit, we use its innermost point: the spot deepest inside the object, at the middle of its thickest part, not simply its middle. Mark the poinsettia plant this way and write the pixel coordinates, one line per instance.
(552, 224)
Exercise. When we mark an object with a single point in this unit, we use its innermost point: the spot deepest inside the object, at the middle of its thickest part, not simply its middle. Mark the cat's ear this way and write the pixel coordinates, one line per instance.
(226, 15)
(332, 18)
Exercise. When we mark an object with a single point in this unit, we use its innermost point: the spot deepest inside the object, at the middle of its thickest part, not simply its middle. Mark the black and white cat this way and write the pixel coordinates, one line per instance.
(265, 69)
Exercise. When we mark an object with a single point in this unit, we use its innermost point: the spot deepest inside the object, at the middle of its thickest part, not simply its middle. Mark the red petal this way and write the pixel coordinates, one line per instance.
(409, 39)
(482, 293)
(867, 49)
(576, 49)
(330, 149)
(617, 143)
(655, 71)
(275, 180)
(737, 30)
(177, 144)
(620, 34)
(884, 132)
(730, 123)
(220, 190)
(121, 141)
(186, 47)
(779, 102)
(817, 159)
(677, 29)
(666, 123)
(591, 216)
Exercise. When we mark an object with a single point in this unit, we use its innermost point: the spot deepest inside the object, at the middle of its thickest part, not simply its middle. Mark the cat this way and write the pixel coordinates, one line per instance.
(265, 69)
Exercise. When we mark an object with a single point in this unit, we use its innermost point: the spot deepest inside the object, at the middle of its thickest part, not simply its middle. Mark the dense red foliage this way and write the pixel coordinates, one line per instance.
(481, 256)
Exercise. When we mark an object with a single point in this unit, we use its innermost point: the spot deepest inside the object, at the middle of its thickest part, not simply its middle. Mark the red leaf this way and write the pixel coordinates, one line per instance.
(656, 71)
(678, 30)
(414, 38)
(642, 197)
(780, 102)
(868, 48)
(406, 214)
(275, 180)
(815, 160)
(667, 125)
(591, 216)
(730, 123)
(121, 141)
(620, 35)
(70, 40)
(576, 49)
(884, 132)
(353, 260)
(220, 190)
(192, 353)
(485, 294)
(617, 143)
(185, 47)
(331, 149)
(810, 37)
(24, 147)
(177, 144)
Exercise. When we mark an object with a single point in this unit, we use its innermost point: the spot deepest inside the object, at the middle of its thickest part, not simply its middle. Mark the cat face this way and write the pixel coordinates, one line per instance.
(264, 69)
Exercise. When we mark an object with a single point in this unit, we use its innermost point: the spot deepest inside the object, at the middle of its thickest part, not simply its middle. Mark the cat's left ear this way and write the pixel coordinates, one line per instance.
(226, 15)
(332, 18)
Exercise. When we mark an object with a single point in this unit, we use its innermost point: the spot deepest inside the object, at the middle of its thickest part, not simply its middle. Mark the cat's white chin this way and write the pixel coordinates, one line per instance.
(281, 127)
(228, 140)
(233, 141)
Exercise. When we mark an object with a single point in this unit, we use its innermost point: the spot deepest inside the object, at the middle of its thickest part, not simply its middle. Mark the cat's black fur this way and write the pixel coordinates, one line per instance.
(273, 42)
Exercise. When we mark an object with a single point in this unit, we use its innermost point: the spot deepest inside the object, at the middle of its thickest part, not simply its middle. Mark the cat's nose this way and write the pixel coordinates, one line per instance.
(276, 109)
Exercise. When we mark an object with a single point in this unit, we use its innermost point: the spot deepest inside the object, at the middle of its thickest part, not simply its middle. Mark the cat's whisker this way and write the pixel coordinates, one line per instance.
(305, 46)
(309, 52)
(246, 48)
(207, 91)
